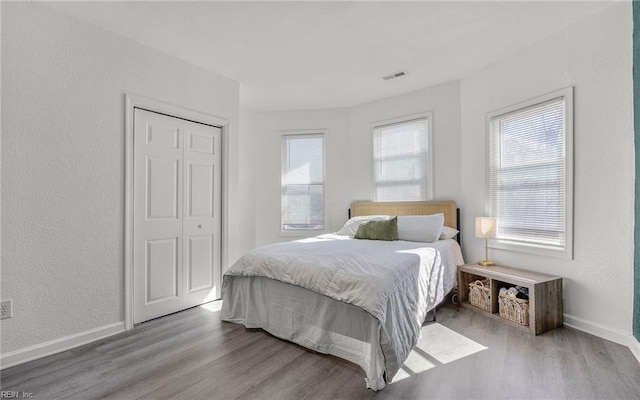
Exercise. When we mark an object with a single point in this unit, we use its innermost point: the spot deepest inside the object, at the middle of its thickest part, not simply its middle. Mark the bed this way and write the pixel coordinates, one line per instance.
(362, 300)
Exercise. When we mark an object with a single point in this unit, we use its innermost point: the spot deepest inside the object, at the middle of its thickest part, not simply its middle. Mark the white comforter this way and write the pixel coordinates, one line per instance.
(396, 282)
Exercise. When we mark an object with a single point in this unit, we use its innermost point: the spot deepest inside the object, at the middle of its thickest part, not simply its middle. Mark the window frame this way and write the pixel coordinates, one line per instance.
(532, 248)
(310, 133)
(428, 115)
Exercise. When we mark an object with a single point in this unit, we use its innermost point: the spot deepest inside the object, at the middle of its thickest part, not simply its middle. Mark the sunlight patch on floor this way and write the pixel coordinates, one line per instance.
(438, 344)
(213, 306)
(415, 364)
(446, 345)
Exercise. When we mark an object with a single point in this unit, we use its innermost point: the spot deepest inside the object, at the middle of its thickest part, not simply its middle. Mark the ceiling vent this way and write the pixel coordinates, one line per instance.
(394, 75)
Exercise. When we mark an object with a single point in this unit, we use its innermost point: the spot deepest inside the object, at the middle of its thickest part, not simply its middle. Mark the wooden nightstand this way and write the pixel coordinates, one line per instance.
(545, 294)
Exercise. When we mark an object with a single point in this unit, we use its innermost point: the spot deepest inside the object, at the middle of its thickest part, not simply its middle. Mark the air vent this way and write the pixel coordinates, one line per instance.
(394, 75)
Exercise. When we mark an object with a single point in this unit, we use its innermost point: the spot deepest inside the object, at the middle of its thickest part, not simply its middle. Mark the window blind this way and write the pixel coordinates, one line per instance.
(527, 174)
(400, 161)
(302, 182)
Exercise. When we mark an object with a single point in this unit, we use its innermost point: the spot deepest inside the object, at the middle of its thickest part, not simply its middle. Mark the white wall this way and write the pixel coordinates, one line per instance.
(349, 143)
(265, 130)
(595, 57)
(63, 87)
(246, 181)
(443, 101)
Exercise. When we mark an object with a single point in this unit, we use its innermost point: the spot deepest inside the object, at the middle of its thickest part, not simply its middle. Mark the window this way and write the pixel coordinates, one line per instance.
(302, 182)
(402, 160)
(531, 174)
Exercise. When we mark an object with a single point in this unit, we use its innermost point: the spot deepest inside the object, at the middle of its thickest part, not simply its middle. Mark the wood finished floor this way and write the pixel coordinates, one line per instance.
(193, 355)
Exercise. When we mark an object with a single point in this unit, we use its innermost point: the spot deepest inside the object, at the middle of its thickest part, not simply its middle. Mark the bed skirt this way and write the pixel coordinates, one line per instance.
(309, 319)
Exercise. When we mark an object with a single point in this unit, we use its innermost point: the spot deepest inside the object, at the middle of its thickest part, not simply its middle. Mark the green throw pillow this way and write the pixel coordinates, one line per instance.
(378, 230)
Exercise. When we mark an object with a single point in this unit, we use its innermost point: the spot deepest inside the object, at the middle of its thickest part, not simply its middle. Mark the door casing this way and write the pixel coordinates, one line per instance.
(133, 101)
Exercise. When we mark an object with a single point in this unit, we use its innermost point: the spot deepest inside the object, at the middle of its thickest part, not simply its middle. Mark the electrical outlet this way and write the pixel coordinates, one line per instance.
(6, 309)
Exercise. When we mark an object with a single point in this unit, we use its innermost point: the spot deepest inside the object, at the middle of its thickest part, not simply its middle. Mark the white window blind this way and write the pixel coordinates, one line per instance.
(302, 182)
(529, 182)
(401, 161)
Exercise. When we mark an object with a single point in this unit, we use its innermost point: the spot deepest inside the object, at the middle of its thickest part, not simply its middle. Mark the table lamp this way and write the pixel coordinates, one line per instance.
(486, 228)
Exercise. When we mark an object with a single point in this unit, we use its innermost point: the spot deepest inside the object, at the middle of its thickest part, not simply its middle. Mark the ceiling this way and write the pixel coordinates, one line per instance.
(309, 55)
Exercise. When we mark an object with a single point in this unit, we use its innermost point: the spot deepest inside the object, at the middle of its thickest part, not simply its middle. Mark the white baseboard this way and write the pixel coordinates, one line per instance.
(20, 356)
(615, 335)
(635, 348)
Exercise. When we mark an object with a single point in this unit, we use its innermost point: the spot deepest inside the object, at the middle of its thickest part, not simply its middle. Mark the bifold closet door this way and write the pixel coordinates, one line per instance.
(177, 221)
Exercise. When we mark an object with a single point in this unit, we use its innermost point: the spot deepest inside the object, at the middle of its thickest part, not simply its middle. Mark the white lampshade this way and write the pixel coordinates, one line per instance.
(486, 227)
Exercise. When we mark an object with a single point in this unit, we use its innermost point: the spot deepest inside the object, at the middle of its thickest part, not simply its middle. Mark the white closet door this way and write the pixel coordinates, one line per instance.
(176, 214)
(202, 219)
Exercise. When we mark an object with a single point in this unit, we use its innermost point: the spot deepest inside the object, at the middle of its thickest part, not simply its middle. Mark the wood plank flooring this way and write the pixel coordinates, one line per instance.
(464, 355)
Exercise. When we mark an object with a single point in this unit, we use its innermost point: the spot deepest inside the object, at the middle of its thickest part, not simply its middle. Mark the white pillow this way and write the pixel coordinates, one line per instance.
(351, 226)
(420, 228)
(448, 233)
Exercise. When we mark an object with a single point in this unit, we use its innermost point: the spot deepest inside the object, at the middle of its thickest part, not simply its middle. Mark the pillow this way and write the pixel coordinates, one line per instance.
(420, 228)
(351, 226)
(378, 230)
(448, 233)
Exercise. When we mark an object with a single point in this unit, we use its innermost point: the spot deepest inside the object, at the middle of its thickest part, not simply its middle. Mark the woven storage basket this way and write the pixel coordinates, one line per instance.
(480, 294)
(514, 309)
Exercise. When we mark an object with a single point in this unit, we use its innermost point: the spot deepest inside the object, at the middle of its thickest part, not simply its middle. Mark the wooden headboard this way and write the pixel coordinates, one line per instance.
(447, 207)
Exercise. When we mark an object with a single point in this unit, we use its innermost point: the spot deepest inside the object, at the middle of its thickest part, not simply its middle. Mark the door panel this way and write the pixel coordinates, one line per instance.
(177, 184)
(201, 143)
(200, 260)
(201, 183)
(161, 270)
(165, 136)
(162, 188)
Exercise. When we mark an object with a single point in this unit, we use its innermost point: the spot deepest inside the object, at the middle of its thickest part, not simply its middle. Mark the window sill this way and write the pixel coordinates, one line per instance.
(539, 250)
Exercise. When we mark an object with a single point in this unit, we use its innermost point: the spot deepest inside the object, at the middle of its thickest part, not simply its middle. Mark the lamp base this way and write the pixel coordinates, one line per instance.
(486, 263)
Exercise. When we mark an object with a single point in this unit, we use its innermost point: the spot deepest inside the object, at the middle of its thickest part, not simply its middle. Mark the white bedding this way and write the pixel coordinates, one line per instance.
(361, 300)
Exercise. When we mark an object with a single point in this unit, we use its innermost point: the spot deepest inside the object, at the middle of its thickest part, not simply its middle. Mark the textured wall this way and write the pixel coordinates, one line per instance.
(594, 56)
(443, 101)
(63, 86)
(636, 96)
(349, 173)
(266, 130)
